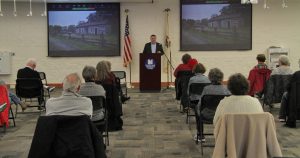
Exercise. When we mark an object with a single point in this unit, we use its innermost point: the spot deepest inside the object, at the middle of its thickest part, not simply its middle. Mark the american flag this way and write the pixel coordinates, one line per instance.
(127, 57)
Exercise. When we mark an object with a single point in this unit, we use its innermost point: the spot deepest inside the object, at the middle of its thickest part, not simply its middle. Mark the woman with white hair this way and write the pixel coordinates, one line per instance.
(91, 89)
(284, 66)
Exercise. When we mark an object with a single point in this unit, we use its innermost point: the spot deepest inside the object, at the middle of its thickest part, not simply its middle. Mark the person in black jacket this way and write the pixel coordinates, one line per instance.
(153, 46)
(283, 113)
(66, 136)
(30, 72)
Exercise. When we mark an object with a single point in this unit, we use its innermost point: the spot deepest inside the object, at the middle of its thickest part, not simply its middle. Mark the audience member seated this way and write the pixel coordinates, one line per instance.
(107, 80)
(184, 66)
(284, 66)
(70, 103)
(215, 76)
(29, 72)
(192, 62)
(91, 89)
(258, 76)
(278, 82)
(13, 97)
(283, 113)
(118, 83)
(198, 77)
(239, 102)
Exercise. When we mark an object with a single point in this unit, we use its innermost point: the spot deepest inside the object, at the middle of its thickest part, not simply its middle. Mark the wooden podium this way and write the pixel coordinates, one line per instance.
(150, 72)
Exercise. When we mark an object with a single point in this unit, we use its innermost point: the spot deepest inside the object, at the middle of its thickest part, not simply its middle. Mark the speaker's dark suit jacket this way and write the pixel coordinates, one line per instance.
(147, 48)
(27, 73)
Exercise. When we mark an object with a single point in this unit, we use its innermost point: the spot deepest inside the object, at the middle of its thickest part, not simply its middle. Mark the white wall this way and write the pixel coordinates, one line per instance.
(27, 37)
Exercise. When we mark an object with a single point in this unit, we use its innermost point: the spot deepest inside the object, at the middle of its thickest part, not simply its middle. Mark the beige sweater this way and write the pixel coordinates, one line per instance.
(246, 136)
(237, 104)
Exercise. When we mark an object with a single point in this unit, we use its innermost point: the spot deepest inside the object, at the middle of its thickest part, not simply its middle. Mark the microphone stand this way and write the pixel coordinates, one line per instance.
(171, 67)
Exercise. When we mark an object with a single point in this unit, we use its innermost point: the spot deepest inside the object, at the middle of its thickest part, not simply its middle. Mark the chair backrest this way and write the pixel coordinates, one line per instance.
(29, 87)
(275, 87)
(211, 101)
(293, 108)
(98, 102)
(113, 102)
(197, 88)
(178, 82)
(120, 74)
(43, 77)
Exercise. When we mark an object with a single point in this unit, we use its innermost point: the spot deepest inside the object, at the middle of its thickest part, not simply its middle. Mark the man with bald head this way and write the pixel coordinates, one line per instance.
(70, 103)
(29, 70)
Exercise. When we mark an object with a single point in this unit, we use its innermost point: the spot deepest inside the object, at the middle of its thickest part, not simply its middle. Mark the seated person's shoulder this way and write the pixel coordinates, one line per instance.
(85, 99)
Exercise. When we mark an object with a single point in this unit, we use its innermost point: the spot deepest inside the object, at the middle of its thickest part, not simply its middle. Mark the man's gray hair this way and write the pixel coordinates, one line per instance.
(89, 73)
(284, 60)
(71, 82)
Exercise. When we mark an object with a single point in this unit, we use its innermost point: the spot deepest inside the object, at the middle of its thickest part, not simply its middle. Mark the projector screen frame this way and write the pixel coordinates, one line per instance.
(75, 56)
(216, 2)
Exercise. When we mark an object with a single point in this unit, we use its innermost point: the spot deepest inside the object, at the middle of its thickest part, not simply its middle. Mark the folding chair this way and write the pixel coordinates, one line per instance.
(11, 114)
(45, 83)
(184, 78)
(210, 102)
(194, 89)
(178, 81)
(275, 87)
(30, 88)
(122, 76)
(99, 102)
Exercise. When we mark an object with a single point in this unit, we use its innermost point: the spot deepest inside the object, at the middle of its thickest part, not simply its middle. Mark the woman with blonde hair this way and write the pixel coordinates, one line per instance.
(104, 74)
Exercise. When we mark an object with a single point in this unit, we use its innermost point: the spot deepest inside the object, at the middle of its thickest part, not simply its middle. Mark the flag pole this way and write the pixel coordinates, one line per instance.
(130, 82)
(168, 44)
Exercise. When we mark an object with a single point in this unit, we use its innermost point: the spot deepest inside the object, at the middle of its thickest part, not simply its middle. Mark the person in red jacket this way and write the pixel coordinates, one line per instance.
(192, 62)
(258, 75)
(184, 66)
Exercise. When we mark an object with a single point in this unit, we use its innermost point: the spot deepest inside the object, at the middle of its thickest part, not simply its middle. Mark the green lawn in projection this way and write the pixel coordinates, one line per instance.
(69, 42)
(221, 36)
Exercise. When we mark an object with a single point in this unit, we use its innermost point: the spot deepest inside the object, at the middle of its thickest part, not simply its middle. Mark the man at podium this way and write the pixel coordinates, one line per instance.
(153, 46)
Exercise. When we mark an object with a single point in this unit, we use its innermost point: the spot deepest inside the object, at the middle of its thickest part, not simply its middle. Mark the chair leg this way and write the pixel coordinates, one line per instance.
(187, 115)
(107, 138)
(13, 117)
(16, 111)
(4, 127)
(201, 144)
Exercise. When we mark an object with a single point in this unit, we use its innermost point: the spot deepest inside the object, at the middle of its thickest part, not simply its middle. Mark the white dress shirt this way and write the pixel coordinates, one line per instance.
(153, 47)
